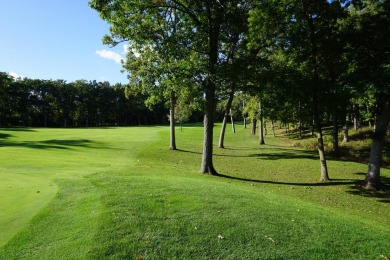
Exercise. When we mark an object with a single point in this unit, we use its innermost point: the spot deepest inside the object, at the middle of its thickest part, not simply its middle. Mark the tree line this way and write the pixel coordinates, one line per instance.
(57, 103)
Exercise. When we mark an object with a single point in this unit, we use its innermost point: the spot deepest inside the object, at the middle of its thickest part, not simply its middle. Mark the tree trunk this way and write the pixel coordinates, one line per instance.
(224, 121)
(172, 145)
(336, 148)
(222, 133)
(346, 137)
(254, 122)
(273, 127)
(355, 117)
(321, 152)
(243, 115)
(261, 124)
(373, 179)
(300, 120)
(232, 120)
(207, 157)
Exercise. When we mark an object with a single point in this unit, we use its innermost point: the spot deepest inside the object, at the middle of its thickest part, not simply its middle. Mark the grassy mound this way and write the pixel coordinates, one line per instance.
(123, 195)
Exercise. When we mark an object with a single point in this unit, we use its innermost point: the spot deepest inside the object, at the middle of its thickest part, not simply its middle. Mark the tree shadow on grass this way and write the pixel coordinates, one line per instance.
(5, 136)
(334, 182)
(382, 195)
(285, 155)
(17, 129)
(51, 144)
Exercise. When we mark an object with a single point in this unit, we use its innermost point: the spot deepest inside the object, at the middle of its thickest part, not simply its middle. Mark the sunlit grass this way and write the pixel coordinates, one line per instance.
(133, 198)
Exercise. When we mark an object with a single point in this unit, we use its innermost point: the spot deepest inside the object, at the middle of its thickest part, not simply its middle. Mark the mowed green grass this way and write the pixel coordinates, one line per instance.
(119, 193)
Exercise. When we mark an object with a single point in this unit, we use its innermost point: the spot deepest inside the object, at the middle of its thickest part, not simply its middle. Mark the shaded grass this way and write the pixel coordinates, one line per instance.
(357, 149)
(155, 205)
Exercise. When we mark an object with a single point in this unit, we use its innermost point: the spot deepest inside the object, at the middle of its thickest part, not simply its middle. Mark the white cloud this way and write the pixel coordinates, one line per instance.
(125, 49)
(111, 55)
(14, 75)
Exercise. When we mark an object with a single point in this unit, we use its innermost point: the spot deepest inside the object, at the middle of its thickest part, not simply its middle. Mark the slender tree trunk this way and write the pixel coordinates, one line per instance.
(345, 131)
(336, 148)
(224, 121)
(232, 120)
(261, 126)
(265, 128)
(222, 133)
(312, 128)
(172, 145)
(243, 115)
(254, 122)
(273, 127)
(300, 120)
(373, 178)
(321, 152)
(355, 117)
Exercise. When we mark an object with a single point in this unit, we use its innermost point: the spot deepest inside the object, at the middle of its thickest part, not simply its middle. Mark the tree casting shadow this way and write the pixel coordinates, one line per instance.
(382, 195)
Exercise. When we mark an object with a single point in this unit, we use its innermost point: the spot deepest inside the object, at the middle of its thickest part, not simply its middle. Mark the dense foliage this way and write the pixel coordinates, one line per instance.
(57, 103)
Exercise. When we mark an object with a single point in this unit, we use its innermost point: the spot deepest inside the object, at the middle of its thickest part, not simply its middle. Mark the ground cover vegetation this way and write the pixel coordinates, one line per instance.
(306, 74)
(118, 193)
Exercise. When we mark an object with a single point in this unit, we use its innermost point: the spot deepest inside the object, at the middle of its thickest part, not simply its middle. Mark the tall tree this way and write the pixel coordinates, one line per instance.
(300, 30)
(201, 28)
(368, 29)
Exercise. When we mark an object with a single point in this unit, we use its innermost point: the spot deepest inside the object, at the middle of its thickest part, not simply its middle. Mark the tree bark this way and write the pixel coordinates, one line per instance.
(224, 121)
(243, 115)
(336, 148)
(346, 136)
(172, 145)
(373, 178)
(213, 37)
(355, 117)
(273, 127)
(261, 124)
(232, 120)
(207, 157)
(254, 122)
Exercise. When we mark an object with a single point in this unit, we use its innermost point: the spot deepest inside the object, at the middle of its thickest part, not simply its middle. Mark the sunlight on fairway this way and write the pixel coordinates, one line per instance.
(33, 160)
(20, 197)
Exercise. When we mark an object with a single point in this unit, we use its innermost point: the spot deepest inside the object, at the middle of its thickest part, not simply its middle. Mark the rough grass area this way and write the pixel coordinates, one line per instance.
(357, 149)
(122, 194)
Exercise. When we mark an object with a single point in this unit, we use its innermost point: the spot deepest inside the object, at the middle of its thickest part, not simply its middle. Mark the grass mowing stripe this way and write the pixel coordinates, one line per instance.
(33, 159)
(64, 229)
(20, 197)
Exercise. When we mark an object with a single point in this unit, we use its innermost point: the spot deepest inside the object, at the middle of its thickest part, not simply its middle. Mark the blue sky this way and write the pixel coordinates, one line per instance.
(56, 39)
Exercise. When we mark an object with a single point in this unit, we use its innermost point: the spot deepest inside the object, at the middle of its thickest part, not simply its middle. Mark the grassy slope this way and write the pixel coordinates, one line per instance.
(32, 160)
(155, 205)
